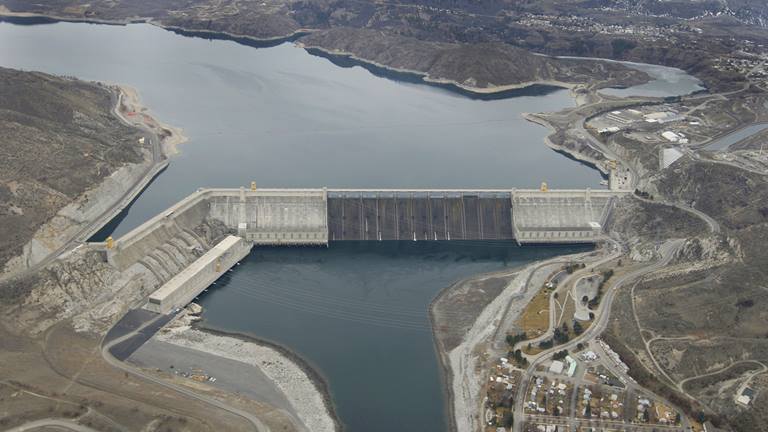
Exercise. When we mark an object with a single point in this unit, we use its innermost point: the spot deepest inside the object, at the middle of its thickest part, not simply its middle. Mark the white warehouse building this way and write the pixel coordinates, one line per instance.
(185, 286)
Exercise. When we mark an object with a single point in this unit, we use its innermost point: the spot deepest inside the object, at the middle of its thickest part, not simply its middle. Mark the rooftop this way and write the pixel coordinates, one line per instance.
(209, 257)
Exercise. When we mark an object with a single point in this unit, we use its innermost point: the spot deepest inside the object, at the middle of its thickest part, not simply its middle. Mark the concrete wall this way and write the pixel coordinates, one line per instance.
(191, 281)
(561, 216)
(273, 216)
(307, 216)
(136, 244)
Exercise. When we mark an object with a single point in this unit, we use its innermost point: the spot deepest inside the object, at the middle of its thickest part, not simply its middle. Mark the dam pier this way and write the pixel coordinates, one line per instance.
(187, 247)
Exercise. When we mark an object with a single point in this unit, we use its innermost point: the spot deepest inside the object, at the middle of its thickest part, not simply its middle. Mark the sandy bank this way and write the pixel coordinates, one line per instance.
(132, 111)
(305, 396)
(464, 366)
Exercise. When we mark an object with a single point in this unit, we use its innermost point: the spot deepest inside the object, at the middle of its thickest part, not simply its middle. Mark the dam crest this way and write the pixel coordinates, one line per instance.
(189, 245)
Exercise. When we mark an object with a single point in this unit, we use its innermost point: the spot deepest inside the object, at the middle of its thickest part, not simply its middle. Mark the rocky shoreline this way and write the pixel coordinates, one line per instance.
(480, 336)
(305, 389)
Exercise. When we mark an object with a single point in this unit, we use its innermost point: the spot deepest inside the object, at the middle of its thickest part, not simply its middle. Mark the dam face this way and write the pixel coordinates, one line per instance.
(419, 215)
(180, 240)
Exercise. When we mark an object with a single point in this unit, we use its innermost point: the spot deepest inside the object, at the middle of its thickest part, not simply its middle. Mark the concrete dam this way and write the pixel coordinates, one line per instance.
(192, 243)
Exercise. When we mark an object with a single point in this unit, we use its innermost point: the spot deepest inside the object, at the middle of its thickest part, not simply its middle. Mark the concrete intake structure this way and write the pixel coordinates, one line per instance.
(177, 246)
(317, 216)
(191, 281)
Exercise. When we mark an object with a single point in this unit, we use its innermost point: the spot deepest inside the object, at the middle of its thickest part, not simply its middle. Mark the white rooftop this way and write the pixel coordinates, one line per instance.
(183, 276)
(556, 367)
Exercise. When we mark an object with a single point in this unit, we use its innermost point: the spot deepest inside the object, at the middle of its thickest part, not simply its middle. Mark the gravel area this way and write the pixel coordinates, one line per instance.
(305, 397)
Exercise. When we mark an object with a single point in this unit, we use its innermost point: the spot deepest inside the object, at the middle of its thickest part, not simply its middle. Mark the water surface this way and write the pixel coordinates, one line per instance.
(724, 142)
(357, 311)
(285, 118)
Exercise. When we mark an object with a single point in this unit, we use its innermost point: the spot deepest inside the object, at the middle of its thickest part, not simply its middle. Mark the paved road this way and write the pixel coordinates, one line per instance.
(52, 424)
(615, 251)
(666, 251)
(158, 164)
(714, 226)
(258, 425)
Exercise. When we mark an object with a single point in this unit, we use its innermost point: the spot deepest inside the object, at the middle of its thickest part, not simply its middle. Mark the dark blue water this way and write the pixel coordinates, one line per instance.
(358, 313)
(285, 118)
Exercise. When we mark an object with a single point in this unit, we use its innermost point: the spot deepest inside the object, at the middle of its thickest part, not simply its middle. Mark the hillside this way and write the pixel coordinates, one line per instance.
(60, 138)
(479, 66)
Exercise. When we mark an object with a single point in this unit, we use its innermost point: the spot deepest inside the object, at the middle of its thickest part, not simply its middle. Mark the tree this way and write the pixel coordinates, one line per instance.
(577, 329)
(585, 299)
(512, 340)
(509, 420)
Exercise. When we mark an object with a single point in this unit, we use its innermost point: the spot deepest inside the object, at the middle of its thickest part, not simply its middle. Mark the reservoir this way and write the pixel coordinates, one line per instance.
(357, 312)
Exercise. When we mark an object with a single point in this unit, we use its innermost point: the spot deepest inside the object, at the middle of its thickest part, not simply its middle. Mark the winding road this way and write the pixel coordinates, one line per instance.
(258, 425)
(666, 251)
(91, 227)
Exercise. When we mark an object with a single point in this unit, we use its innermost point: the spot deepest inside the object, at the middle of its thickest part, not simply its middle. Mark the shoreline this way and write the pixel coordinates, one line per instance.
(129, 101)
(29, 18)
(577, 157)
(493, 315)
(98, 205)
(447, 372)
(314, 376)
(483, 93)
(495, 92)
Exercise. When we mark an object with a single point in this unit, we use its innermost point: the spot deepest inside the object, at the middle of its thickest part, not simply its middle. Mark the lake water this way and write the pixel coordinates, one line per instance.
(665, 81)
(284, 118)
(732, 138)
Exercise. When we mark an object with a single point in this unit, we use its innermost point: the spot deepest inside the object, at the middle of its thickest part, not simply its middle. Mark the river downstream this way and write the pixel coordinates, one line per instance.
(357, 312)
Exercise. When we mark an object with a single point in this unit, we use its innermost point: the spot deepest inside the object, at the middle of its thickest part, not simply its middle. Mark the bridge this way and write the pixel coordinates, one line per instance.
(183, 255)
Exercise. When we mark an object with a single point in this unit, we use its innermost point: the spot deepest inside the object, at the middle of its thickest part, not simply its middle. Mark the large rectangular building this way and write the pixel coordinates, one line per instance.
(187, 284)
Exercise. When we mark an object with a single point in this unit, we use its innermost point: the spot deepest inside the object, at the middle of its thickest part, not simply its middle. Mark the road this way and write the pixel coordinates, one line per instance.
(52, 424)
(158, 164)
(258, 425)
(614, 252)
(714, 226)
(666, 251)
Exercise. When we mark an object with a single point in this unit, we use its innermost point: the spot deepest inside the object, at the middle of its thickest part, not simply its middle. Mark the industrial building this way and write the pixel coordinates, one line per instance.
(191, 281)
